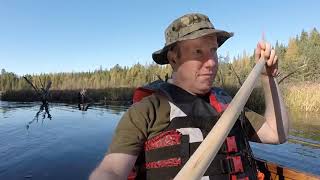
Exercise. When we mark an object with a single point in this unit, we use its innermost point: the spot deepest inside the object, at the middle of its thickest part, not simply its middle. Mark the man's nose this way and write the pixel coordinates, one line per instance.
(211, 61)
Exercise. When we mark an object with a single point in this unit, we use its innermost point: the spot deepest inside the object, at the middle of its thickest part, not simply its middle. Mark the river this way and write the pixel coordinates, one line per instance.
(68, 144)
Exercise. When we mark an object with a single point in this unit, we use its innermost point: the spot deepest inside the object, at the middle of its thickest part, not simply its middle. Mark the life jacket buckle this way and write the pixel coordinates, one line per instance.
(234, 177)
(232, 165)
(231, 144)
(237, 164)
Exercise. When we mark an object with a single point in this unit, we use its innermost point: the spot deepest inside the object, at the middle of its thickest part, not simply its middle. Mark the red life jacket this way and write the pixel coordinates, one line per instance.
(191, 119)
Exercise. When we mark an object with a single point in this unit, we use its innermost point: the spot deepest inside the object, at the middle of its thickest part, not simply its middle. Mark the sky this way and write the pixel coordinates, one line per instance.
(42, 36)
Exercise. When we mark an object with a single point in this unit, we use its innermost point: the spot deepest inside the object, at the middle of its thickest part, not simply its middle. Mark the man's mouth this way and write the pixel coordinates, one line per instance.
(206, 74)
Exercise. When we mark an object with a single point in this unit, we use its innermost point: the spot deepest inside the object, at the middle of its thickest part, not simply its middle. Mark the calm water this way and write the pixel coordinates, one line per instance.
(73, 142)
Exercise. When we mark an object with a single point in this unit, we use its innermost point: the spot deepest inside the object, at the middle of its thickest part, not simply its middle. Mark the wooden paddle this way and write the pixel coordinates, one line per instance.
(199, 162)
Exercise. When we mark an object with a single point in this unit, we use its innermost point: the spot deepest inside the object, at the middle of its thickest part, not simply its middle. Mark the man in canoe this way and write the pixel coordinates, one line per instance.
(158, 134)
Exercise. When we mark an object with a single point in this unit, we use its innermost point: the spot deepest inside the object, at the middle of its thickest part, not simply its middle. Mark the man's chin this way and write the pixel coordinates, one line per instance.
(203, 90)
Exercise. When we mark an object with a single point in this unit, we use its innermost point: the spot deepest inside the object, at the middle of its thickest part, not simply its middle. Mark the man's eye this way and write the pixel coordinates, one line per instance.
(198, 51)
(213, 50)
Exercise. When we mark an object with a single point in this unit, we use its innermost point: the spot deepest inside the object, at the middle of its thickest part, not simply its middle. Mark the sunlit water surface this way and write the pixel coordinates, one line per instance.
(73, 142)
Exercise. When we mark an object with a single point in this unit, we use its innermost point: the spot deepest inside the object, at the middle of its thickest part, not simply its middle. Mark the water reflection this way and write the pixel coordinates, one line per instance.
(8, 106)
(43, 111)
(305, 125)
(84, 106)
(114, 109)
(304, 142)
(70, 146)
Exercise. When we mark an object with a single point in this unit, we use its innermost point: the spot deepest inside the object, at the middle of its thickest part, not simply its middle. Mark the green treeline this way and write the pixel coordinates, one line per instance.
(100, 79)
(302, 54)
(299, 71)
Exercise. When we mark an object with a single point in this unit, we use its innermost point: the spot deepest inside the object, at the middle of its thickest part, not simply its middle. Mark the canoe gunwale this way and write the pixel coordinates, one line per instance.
(275, 171)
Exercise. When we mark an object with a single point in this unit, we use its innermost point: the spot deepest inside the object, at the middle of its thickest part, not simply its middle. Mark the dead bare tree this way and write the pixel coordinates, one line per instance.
(43, 91)
(291, 73)
(84, 100)
(44, 109)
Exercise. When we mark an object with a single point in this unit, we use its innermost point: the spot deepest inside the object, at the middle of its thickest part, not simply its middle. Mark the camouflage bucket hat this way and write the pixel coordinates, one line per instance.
(189, 26)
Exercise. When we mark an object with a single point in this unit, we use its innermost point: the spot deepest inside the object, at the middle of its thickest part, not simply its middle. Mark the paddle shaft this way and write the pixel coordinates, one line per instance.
(203, 156)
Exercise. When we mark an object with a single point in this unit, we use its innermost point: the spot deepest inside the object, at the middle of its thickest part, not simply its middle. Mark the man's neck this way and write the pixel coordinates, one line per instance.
(187, 89)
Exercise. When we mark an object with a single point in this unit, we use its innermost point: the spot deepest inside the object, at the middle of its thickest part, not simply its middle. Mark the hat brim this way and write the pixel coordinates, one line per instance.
(160, 56)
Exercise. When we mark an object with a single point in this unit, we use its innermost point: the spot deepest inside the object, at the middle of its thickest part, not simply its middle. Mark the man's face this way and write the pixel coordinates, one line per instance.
(197, 65)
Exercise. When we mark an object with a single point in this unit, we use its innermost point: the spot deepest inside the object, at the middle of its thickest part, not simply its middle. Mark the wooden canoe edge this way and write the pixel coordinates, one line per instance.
(274, 171)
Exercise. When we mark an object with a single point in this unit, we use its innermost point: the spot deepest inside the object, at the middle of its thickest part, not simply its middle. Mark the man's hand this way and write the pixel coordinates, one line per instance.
(275, 129)
(264, 50)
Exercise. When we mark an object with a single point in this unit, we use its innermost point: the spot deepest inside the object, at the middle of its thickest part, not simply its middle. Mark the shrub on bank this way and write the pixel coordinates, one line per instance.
(71, 96)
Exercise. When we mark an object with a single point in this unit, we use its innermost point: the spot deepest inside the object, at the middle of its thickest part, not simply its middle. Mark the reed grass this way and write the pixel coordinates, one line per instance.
(299, 97)
(302, 97)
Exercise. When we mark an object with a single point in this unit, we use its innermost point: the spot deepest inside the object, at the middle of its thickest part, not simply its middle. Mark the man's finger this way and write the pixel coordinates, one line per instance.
(275, 59)
(275, 72)
(271, 58)
(257, 52)
(262, 45)
(267, 51)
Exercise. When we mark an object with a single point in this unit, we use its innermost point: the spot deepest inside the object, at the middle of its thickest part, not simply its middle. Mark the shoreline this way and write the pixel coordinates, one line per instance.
(301, 97)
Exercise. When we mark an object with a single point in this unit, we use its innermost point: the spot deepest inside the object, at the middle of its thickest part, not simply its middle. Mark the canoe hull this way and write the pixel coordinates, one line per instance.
(273, 171)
